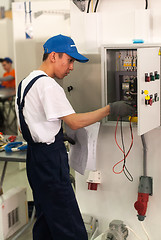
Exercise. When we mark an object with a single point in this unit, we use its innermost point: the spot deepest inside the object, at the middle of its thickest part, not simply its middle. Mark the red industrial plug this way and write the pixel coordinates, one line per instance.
(141, 204)
(145, 189)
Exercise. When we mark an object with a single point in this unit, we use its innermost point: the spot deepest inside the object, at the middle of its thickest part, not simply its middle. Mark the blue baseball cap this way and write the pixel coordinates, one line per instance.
(8, 59)
(63, 44)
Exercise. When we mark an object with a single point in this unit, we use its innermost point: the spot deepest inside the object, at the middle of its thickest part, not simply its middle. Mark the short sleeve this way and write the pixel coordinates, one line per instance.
(55, 103)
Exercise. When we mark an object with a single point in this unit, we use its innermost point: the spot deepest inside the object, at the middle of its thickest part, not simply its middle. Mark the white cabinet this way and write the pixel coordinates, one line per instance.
(132, 73)
(148, 115)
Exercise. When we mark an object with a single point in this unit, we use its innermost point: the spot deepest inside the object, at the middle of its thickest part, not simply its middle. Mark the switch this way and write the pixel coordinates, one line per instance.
(157, 76)
(152, 78)
(147, 78)
(155, 97)
(147, 98)
(151, 100)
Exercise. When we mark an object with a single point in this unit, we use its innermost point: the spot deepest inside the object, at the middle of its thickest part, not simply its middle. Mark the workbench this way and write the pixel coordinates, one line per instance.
(6, 93)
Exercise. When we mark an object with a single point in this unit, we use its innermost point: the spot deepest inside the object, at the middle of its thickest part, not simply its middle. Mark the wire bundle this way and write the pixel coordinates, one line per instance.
(90, 2)
(147, 235)
(124, 168)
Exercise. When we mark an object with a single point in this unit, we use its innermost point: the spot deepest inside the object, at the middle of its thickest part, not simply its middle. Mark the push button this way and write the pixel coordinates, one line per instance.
(157, 76)
(152, 78)
(147, 78)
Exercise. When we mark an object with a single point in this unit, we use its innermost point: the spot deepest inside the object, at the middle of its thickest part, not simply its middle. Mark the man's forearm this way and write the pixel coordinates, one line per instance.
(79, 120)
(7, 78)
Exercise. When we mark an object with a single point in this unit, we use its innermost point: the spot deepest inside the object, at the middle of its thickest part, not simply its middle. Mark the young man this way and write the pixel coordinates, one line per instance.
(8, 79)
(42, 105)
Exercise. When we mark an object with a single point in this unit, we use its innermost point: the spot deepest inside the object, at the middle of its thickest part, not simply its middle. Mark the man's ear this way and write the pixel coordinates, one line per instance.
(52, 56)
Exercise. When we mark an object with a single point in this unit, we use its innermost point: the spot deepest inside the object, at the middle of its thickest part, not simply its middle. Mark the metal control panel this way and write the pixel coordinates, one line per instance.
(132, 73)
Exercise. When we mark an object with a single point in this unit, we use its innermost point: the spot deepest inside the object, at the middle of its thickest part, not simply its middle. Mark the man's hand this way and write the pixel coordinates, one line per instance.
(121, 108)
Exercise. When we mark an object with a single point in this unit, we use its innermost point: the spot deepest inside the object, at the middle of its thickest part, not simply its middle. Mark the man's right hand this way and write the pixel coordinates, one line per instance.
(121, 108)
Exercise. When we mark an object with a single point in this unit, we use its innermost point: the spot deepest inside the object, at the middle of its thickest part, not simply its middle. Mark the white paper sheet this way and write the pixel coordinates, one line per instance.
(79, 152)
(92, 133)
(82, 155)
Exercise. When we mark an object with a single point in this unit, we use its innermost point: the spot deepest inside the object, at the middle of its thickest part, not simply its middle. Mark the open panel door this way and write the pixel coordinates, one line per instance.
(148, 115)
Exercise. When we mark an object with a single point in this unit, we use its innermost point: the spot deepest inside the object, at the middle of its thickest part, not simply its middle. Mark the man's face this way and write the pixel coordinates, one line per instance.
(6, 66)
(63, 65)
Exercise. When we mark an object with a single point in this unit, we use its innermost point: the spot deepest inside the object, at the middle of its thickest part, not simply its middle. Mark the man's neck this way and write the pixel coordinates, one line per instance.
(47, 69)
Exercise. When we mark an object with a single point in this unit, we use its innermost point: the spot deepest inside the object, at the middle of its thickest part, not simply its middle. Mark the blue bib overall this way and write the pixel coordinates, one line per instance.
(57, 211)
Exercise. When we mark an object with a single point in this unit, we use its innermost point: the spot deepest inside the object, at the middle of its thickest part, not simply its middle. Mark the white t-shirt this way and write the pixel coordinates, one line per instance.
(45, 104)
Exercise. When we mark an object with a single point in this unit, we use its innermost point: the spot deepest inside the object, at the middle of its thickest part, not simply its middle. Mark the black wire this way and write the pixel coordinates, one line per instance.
(95, 9)
(122, 139)
(146, 4)
(89, 2)
(131, 137)
(124, 166)
(130, 178)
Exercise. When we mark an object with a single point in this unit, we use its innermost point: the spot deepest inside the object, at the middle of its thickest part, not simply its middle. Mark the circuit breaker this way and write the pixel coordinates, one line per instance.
(132, 74)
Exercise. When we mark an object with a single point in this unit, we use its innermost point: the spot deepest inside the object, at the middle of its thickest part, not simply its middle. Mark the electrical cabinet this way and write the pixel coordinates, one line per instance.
(132, 73)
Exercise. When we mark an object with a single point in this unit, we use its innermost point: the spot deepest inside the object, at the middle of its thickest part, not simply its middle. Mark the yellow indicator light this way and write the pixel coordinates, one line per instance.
(146, 92)
(147, 97)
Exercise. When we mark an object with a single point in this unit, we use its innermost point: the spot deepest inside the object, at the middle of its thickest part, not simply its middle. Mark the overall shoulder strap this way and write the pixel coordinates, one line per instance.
(19, 102)
(24, 127)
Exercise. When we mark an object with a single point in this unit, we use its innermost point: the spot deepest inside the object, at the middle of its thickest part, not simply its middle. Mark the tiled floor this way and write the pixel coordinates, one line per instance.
(27, 235)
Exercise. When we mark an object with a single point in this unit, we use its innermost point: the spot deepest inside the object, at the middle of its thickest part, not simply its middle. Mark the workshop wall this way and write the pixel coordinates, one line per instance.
(115, 22)
(40, 25)
(6, 40)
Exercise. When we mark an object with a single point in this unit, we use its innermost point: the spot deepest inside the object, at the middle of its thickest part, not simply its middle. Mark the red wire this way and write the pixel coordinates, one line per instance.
(116, 133)
(122, 149)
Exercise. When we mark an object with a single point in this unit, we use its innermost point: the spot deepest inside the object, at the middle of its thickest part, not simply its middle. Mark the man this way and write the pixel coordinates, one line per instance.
(42, 106)
(8, 79)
